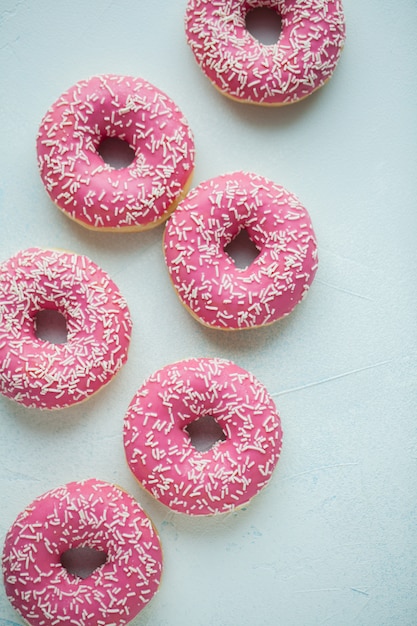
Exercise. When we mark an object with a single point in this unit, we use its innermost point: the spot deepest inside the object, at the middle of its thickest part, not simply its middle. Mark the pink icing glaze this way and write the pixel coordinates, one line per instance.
(207, 281)
(159, 450)
(46, 375)
(303, 59)
(89, 190)
(87, 513)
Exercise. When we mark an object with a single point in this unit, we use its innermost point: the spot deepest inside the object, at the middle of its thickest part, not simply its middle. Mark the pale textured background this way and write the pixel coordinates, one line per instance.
(332, 540)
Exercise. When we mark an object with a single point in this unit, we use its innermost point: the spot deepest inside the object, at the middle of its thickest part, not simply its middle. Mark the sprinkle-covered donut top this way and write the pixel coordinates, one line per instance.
(92, 514)
(91, 191)
(217, 292)
(303, 59)
(48, 375)
(160, 452)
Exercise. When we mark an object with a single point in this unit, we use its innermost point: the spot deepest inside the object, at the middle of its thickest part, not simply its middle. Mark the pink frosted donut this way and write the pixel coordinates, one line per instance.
(162, 457)
(206, 279)
(303, 59)
(86, 514)
(48, 375)
(89, 190)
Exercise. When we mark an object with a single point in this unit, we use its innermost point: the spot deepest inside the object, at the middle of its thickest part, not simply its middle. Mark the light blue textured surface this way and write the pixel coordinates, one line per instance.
(332, 540)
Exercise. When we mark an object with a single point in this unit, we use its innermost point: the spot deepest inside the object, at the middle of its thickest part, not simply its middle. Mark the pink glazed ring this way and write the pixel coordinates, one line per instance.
(159, 449)
(48, 375)
(206, 279)
(89, 190)
(92, 515)
(241, 67)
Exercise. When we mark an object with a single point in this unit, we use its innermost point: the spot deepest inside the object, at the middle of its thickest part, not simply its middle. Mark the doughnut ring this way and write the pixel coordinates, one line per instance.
(46, 375)
(241, 67)
(86, 514)
(162, 457)
(206, 279)
(89, 190)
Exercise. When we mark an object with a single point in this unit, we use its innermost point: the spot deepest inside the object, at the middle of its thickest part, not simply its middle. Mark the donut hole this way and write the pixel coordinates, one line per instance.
(82, 562)
(204, 433)
(51, 326)
(242, 250)
(264, 24)
(116, 152)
